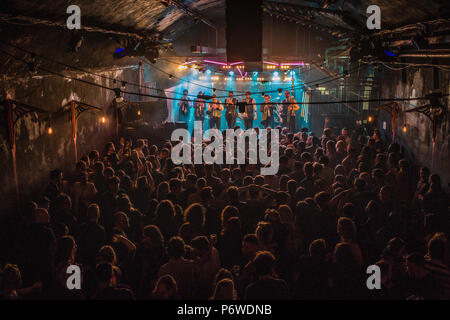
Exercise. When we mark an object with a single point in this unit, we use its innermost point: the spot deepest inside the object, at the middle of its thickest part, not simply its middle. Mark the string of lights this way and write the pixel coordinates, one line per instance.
(169, 98)
(170, 76)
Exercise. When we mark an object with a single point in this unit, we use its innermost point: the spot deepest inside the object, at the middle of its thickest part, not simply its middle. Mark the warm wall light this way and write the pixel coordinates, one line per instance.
(103, 119)
(139, 112)
(370, 119)
(49, 130)
(405, 128)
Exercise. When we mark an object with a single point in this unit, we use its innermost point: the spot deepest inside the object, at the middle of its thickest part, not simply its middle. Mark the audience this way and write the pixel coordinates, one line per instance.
(141, 227)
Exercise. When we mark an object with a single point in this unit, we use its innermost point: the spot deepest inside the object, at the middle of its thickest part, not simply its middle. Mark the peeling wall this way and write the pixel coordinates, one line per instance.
(418, 138)
(37, 152)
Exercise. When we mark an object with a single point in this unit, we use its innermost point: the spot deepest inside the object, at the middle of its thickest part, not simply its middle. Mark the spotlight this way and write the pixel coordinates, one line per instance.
(208, 71)
(255, 73)
(231, 73)
(275, 73)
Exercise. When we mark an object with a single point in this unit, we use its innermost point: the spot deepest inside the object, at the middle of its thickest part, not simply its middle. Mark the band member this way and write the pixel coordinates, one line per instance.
(231, 107)
(183, 107)
(250, 111)
(215, 108)
(289, 107)
(199, 108)
(267, 109)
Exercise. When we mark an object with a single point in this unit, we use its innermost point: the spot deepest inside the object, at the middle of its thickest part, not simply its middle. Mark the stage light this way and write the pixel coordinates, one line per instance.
(182, 67)
(208, 71)
(255, 73)
(275, 73)
(404, 128)
(231, 73)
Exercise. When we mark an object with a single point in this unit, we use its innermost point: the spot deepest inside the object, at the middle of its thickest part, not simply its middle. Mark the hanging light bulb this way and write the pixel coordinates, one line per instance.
(139, 112)
(49, 129)
(102, 119)
(370, 119)
(404, 128)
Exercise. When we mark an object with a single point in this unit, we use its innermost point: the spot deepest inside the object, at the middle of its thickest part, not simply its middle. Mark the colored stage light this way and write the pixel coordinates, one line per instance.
(208, 71)
(231, 73)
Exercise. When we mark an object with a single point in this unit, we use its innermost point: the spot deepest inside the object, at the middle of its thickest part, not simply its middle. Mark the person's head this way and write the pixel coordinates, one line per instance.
(264, 262)
(176, 248)
(154, 235)
(230, 94)
(346, 229)
(214, 98)
(287, 94)
(437, 247)
(93, 212)
(166, 288)
(233, 193)
(385, 194)
(185, 92)
(249, 245)
(201, 246)
(344, 132)
(195, 214)
(113, 184)
(10, 279)
(121, 221)
(266, 98)
(65, 250)
(162, 190)
(165, 211)
(248, 95)
(317, 248)
(56, 176)
(224, 290)
(106, 254)
(308, 169)
(286, 214)
(264, 233)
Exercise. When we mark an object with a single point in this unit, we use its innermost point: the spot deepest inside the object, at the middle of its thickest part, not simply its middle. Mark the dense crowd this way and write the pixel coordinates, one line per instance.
(141, 227)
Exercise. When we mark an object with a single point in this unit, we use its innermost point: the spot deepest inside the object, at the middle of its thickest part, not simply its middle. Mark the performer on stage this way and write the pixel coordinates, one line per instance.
(231, 107)
(289, 107)
(215, 108)
(199, 108)
(183, 107)
(267, 109)
(250, 113)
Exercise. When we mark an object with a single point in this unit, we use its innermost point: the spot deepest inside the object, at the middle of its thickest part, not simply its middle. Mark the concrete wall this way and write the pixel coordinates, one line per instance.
(418, 138)
(37, 152)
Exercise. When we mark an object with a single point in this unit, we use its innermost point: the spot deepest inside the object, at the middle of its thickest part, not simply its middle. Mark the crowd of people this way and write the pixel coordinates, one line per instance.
(141, 227)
